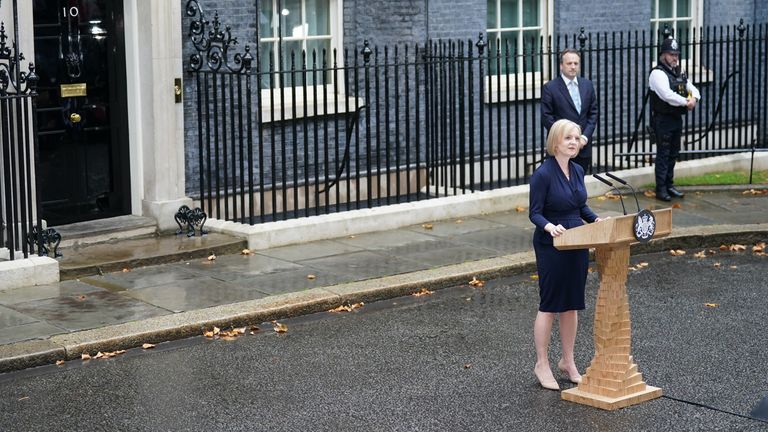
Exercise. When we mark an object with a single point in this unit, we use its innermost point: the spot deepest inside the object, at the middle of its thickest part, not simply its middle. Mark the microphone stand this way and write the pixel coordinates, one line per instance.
(625, 183)
(601, 179)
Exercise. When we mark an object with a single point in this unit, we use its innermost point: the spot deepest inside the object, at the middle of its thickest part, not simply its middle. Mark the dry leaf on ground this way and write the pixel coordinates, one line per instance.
(737, 248)
(519, 209)
(458, 221)
(59, 362)
(212, 257)
(534, 276)
(311, 277)
(717, 265)
(85, 356)
(211, 333)
(126, 270)
(676, 252)
(427, 226)
(676, 206)
(279, 327)
(702, 254)
(649, 193)
(477, 283)
(759, 247)
(422, 292)
(347, 308)
(711, 305)
(246, 252)
(147, 346)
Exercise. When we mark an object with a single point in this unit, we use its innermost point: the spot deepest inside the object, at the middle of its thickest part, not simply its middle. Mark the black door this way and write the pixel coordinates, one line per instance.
(83, 166)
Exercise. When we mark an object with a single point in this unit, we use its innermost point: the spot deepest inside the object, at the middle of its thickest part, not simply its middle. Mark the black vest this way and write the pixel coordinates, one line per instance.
(677, 82)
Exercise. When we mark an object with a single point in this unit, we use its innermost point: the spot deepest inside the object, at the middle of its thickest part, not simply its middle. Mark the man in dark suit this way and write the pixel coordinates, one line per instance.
(572, 98)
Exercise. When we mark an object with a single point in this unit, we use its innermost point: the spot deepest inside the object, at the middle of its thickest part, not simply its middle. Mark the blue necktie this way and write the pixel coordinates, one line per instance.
(574, 90)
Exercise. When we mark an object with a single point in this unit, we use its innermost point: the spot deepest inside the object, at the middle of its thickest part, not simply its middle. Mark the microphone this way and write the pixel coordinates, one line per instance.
(624, 182)
(614, 188)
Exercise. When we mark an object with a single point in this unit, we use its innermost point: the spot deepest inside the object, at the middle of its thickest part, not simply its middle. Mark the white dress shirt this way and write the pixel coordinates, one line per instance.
(658, 82)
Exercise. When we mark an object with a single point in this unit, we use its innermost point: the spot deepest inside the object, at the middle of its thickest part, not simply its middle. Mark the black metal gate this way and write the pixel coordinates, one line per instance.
(280, 135)
(19, 207)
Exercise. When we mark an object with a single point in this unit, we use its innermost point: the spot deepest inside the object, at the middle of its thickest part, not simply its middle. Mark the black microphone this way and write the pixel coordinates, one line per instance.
(614, 188)
(624, 182)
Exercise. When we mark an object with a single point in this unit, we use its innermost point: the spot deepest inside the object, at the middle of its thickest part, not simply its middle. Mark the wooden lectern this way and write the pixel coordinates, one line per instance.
(612, 380)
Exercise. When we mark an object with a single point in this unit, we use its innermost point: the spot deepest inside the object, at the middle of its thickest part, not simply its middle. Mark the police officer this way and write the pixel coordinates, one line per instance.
(672, 96)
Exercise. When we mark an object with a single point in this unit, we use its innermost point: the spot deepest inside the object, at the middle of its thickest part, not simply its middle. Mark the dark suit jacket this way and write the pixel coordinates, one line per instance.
(556, 104)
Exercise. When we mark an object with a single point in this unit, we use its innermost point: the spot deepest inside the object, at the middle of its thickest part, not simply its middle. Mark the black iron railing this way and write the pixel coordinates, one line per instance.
(19, 208)
(328, 131)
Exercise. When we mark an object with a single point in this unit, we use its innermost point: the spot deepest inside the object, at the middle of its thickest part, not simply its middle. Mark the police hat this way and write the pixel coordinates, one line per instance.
(670, 45)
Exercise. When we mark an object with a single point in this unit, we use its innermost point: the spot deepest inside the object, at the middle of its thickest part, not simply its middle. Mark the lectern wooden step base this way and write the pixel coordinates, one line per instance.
(610, 403)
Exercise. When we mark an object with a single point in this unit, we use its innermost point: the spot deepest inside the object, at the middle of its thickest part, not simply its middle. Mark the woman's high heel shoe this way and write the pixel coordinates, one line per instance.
(548, 382)
(574, 379)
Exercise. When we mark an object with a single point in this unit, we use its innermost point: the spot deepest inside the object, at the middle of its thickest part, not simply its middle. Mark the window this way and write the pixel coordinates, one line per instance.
(682, 16)
(287, 29)
(520, 26)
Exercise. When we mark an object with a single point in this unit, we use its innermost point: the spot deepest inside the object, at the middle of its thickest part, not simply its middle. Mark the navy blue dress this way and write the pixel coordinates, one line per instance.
(557, 200)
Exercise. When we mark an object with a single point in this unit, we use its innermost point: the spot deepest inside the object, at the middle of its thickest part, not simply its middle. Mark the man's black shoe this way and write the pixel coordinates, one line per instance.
(675, 193)
(662, 196)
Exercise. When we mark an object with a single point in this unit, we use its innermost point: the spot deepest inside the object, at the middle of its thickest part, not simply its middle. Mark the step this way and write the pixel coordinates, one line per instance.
(116, 255)
(105, 230)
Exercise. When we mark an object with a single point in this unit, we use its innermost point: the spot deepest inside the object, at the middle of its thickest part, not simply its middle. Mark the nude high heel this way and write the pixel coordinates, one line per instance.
(574, 379)
(548, 382)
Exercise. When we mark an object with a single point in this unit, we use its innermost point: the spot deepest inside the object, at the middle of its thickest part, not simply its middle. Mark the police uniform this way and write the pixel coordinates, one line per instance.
(669, 93)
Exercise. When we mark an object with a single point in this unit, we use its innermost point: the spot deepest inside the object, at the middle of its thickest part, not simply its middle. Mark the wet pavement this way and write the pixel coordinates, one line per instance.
(338, 270)
(460, 359)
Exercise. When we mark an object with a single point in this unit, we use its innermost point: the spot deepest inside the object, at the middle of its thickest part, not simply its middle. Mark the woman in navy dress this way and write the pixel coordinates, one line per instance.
(558, 201)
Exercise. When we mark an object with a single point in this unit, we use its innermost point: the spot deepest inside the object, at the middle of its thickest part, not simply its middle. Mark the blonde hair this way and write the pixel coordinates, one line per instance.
(558, 131)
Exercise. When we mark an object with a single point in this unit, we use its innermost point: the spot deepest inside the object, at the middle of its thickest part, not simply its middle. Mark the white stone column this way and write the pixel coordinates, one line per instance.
(153, 50)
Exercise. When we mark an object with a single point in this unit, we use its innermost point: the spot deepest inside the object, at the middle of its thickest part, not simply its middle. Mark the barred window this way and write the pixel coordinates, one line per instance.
(289, 28)
(519, 25)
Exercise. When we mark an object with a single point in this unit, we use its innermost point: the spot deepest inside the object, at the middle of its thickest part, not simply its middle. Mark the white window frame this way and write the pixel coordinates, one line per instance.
(329, 96)
(697, 73)
(496, 88)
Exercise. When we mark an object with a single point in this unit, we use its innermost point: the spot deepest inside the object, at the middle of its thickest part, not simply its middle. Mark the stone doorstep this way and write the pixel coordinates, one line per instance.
(143, 251)
(105, 230)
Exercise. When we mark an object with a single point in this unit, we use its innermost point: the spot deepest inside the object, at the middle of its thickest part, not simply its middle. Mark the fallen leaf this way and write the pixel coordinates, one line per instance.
(590, 270)
(458, 221)
(311, 277)
(755, 192)
(676, 206)
(422, 292)
(279, 327)
(85, 356)
(468, 299)
(717, 265)
(23, 398)
(246, 252)
(147, 346)
(649, 193)
(426, 226)
(212, 257)
(81, 297)
(468, 365)
(211, 333)
(519, 209)
(534, 276)
(676, 252)
(760, 247)
(733, 267)
(612, 196)
(59, 362)
(723, 247)
(701, 254)
(711, 305)
(601, 198)
(737, 247)
(347, 308)
(477, 283)
(352, 236)
(126, 270)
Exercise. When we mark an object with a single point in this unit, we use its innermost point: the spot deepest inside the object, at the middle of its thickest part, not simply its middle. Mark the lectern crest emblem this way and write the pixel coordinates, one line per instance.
(645, 226)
